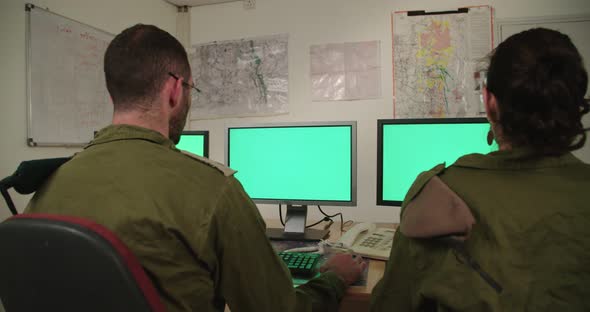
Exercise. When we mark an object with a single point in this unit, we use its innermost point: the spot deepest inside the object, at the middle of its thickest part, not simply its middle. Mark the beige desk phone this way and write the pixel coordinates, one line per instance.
(368, 241)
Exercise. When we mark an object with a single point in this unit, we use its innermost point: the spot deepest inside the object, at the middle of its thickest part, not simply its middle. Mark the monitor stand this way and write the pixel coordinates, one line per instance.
(295, 227)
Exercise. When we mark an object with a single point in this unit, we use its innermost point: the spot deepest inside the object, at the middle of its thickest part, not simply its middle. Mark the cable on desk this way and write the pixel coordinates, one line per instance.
(334, 215)
(281, 215)
(327, 218)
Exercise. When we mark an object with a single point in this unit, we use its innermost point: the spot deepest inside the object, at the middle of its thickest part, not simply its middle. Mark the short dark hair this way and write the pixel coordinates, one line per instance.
(539, 81)
(137, 63)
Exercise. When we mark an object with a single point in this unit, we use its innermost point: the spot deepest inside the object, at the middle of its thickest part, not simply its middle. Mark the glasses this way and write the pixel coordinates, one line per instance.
(192, 86)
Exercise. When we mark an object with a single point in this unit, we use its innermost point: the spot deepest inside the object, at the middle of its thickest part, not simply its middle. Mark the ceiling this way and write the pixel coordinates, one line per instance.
(191, 3)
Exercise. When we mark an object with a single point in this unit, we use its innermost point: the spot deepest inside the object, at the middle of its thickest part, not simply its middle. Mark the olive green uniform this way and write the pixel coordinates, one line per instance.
(532, 236)
(188, 220)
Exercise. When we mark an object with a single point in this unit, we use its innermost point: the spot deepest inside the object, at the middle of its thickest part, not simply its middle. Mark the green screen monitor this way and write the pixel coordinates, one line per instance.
(195, 142)
(407, 147)
(296, 164)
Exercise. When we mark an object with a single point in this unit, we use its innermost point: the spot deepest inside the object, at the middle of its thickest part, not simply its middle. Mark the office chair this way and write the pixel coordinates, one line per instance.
(69, 264)
(28, 177)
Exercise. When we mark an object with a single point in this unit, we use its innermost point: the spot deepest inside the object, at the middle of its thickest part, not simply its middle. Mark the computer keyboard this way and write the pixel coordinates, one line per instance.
(300, 263)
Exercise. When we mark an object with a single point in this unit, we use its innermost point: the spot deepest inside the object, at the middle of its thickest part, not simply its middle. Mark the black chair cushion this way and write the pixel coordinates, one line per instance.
(54, 265)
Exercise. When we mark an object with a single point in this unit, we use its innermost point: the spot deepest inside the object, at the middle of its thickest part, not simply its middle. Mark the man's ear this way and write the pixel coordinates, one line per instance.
(175, 99)
(491, 105)
(173, 94)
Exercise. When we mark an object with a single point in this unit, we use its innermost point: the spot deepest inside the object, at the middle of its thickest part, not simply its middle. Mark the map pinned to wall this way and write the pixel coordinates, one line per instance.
(436, 60)
(240, 78)
(346, 71)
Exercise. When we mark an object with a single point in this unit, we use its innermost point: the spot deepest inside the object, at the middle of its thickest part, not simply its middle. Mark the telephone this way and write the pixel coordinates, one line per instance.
(368, 241)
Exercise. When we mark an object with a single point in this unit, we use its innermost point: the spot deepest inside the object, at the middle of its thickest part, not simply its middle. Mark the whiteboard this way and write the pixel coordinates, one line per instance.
(66, 90)
(576, 27)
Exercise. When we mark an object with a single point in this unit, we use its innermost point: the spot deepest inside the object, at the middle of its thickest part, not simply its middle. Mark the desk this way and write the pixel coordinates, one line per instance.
(357, 298)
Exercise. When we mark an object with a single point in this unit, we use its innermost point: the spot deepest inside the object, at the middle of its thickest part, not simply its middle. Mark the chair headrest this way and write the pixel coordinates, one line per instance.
(31, 174)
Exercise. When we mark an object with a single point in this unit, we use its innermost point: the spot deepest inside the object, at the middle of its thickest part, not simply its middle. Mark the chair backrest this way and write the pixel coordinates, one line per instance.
(28, 177)
(60, 263)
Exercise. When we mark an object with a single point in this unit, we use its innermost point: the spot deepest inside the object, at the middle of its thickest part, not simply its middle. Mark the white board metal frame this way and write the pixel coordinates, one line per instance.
(31, 134)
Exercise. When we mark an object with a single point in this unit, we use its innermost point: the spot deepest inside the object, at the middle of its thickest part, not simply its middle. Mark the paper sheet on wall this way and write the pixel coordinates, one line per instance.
(437, 62)
(346, 71)
(240, 78)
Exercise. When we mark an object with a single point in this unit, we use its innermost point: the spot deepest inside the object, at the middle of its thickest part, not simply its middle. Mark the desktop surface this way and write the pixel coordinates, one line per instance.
(375, 270)
(356, 298)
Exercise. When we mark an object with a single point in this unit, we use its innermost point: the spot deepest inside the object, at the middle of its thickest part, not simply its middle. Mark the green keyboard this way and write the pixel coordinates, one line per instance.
(301, 263)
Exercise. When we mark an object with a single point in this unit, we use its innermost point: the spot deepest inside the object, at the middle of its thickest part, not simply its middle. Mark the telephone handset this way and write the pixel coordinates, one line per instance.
(369, 241)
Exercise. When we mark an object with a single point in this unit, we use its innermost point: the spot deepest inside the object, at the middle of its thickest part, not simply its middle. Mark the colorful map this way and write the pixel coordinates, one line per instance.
(433, 67)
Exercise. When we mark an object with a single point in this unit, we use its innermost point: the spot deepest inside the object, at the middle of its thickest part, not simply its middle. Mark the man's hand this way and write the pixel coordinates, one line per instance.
(347, 266)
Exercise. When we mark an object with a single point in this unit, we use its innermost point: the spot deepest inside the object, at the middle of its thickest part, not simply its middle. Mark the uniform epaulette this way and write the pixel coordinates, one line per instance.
(420, 181)
(227, 171)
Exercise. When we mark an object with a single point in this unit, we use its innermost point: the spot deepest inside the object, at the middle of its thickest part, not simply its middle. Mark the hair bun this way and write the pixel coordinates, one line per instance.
(539, 81)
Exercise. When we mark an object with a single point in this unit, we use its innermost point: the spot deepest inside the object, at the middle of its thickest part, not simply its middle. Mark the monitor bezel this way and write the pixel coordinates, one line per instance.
(383, 122)
(352, 124)
(204, 133)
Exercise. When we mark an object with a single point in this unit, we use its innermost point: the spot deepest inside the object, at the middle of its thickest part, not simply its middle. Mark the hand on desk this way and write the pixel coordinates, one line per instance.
(347, 266)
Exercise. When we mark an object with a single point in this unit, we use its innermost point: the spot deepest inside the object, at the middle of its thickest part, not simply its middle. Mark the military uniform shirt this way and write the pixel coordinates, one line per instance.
(190, 223)
(532, 236)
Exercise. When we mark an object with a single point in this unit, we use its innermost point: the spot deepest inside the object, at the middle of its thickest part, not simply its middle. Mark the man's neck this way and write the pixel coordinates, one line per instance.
(142, 119)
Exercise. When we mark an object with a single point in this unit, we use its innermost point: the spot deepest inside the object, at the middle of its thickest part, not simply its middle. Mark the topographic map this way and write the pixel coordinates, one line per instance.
(238, 78)
(434, 66)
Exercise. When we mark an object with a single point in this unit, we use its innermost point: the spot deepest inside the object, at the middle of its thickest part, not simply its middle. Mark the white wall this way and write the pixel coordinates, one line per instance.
(311, 22)
(307, 22)
(110, 15)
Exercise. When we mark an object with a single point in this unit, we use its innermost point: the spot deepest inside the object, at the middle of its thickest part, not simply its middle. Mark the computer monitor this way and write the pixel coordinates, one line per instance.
(406, 147)
(296, 164)
(195, 142)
